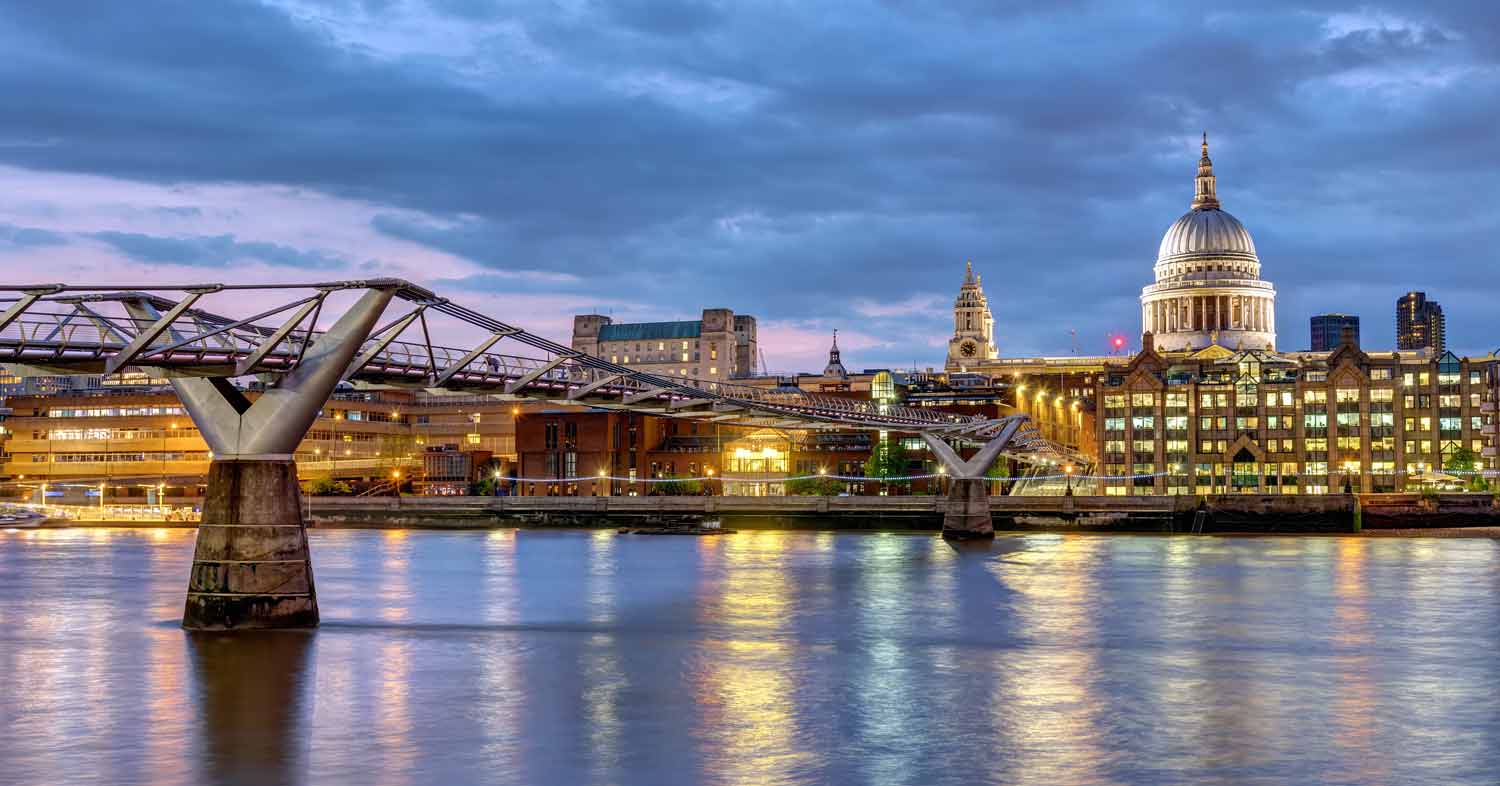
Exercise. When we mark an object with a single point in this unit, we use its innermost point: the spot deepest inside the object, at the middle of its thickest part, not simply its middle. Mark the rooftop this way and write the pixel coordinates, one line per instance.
(651, 331)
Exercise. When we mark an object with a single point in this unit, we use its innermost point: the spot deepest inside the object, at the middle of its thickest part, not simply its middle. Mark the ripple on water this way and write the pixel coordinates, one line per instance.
(764, 657)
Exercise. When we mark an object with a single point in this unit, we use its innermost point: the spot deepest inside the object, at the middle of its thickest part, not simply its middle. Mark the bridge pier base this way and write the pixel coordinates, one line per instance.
(251, 566)
(967, 513)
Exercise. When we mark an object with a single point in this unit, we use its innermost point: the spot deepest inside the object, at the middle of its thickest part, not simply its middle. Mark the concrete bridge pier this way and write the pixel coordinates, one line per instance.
(251, 564)
(966, 516)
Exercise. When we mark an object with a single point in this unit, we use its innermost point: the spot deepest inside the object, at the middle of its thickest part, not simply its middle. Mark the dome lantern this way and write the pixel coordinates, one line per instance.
(1204, 196)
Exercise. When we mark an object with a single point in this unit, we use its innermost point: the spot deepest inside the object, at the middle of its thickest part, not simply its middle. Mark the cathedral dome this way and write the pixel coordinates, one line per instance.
(1205, 232)
(1208, 287)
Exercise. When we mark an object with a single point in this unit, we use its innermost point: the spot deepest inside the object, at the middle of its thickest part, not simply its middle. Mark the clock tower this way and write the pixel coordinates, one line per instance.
(973, 341)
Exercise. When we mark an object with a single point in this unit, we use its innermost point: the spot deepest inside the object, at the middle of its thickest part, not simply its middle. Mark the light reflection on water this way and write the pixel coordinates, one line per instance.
(762, 658)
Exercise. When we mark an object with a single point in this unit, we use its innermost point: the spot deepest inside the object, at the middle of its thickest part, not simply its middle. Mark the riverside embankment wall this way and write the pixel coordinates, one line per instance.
(1236, 513)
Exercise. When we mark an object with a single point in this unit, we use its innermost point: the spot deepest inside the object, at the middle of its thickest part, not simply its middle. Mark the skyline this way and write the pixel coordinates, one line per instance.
(828, 168)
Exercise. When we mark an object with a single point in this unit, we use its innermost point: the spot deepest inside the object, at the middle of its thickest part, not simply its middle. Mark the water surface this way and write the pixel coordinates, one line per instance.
(527, 657)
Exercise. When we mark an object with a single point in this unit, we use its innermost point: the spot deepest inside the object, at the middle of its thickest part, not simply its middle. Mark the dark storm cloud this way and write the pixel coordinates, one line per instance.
(212, 251)
(12, 236)
(795, 160)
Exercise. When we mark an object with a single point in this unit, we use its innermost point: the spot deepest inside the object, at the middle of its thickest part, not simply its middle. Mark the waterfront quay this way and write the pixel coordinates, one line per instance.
(1269, 513)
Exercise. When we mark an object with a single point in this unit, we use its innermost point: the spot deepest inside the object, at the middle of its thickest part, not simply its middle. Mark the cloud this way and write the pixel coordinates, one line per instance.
(918, 304)
(215, 251)
(14, 237)
(834, 161)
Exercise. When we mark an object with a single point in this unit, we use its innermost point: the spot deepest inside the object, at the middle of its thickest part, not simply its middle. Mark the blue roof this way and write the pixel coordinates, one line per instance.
(651, 331)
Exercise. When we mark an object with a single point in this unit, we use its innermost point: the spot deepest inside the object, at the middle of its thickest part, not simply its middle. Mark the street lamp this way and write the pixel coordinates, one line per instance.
(1068, 473)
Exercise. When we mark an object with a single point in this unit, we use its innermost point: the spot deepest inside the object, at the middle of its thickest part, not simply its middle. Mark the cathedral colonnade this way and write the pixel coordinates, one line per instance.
(1207, 312)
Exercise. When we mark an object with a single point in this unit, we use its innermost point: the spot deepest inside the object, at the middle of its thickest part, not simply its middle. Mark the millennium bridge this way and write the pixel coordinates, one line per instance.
(251, 565)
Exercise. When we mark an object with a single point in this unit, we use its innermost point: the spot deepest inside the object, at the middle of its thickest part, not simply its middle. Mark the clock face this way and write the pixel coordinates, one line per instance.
(968, 349)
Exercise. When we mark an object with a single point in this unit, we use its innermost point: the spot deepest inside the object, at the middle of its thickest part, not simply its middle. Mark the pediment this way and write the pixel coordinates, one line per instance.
(1213, 352)
(1246, 443)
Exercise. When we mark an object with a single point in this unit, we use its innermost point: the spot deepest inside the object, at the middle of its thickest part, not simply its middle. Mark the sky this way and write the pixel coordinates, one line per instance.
(818, 165)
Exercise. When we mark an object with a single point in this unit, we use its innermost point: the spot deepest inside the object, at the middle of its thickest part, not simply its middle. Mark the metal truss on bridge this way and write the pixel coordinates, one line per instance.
(58, 328)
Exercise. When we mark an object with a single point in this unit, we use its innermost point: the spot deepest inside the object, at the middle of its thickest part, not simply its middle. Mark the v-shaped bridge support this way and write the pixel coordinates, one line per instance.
(967, 513)
(251, 564)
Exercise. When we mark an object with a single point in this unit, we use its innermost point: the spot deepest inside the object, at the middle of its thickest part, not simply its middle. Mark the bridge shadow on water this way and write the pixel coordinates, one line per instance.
(250, 690)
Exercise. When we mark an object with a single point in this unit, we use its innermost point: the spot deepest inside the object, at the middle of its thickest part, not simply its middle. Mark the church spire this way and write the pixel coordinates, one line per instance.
(969, 271)
(835, 367)
(1204, 196)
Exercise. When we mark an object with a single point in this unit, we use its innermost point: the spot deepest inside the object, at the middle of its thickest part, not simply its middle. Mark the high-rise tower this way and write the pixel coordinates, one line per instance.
(1420, 323)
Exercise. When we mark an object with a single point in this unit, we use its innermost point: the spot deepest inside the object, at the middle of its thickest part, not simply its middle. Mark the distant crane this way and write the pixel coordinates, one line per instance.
(1073, 338)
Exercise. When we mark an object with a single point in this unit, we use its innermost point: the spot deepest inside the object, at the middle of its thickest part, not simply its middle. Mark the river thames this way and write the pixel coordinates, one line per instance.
(573, 657)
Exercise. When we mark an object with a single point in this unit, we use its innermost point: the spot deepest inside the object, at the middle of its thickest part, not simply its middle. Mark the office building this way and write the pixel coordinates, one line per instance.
(1328, 329)
(1420, 323)
(719, 346)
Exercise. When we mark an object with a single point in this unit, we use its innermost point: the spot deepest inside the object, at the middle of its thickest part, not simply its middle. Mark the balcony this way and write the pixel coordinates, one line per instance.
(1252, 286)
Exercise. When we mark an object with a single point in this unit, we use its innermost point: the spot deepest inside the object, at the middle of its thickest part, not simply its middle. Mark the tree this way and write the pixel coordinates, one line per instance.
(820, 486)
(888, 460)
(675, 486)
(326, 486)
(1464, 461)
(1000, 470)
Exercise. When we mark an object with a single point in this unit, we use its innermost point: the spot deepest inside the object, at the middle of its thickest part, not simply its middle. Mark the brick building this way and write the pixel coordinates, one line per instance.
(1221, 421)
